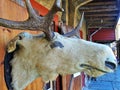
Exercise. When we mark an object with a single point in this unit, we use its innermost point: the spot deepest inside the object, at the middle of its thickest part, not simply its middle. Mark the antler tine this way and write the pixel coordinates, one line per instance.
(49, 17)
(55, 8)
(77, 28)
(12, 24)
(34, 22)
(31, 12)
(29, 24)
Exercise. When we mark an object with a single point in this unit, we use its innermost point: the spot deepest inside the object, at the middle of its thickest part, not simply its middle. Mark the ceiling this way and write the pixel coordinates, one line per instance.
(101, 13)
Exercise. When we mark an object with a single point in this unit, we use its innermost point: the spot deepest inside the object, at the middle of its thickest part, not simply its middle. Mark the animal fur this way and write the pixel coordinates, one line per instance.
(35, 58)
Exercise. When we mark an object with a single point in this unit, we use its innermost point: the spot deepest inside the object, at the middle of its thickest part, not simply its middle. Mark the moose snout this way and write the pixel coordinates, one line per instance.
(111, 65)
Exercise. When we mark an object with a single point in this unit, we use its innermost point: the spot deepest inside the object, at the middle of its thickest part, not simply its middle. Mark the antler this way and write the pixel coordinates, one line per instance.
(34, 21)
(76, 29)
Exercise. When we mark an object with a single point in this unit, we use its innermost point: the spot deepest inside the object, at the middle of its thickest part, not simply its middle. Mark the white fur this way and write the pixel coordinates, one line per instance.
(36, 58)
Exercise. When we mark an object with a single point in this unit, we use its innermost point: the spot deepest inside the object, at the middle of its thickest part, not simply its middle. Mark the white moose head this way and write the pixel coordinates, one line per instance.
(49, 54)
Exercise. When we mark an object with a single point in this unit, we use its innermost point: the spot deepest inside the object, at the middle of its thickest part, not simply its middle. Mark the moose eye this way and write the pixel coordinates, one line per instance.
(20, 37)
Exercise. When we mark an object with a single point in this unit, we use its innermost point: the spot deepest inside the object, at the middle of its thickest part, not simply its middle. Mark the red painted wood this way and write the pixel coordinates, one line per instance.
(43, 11)
(81, 34)
(103, 35)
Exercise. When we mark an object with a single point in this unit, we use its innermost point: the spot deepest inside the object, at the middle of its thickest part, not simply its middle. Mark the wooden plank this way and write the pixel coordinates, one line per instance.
(20, 2)
(100, 10)
(99, 18)
(102, 3)
(17, 13)
(1, 58)
(100, 22)
(103, 26)
(65, 82)
(97, 7)
(77, 83)
(101, 15)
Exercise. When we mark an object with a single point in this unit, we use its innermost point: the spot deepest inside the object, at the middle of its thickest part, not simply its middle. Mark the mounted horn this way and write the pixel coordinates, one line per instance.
(74, 30)
(34, 21)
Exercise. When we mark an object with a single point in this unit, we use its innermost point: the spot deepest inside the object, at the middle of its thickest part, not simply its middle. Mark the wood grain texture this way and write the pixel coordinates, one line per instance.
(12, 11)
(76, 83)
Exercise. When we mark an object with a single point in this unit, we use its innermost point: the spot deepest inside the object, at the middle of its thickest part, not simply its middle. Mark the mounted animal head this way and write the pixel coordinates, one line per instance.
(49, 54)
(68, 31)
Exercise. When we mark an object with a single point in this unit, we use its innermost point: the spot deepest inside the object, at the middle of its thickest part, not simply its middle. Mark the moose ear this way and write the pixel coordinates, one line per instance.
(12, 45)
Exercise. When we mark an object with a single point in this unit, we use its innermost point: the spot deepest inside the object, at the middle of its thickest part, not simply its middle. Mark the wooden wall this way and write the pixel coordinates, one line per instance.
(10, 10)
(103, 34)
(75, 85)
(13, 11)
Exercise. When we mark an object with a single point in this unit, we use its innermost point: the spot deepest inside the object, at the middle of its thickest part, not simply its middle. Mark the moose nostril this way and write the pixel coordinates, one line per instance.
(109, 64)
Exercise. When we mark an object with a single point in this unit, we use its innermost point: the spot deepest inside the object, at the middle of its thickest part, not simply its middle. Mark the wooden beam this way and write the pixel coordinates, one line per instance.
(102, 3)
(73, 6)
(97, 7)
(79, 3)
(101, 15)
(104, 22)
(101, 26)
(100, 10)
(19, 2)
(63, 17)
(100, 18)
